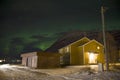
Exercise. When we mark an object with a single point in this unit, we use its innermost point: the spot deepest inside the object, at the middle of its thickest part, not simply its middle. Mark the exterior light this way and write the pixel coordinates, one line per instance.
(98, 47)
(0, 60)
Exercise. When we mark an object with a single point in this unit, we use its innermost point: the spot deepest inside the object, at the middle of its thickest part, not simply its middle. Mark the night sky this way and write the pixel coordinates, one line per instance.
(36, 24)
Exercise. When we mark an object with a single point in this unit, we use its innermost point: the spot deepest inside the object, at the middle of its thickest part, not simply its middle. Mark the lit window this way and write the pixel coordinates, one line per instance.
(61, 51)
(67, 49)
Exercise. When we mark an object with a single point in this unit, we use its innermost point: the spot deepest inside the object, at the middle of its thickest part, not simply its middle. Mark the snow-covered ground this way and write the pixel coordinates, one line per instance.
(17, 72)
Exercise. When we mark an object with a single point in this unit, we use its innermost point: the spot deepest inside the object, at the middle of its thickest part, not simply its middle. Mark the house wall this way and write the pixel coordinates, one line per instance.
(92, 47)
(48, 61)
(34, 61)
(74, 55)
(79, 51)
(29, 62)
(41, 60)
(81, 56)
(29, 59)
(65, 55)
(24, 59)
(64, 50)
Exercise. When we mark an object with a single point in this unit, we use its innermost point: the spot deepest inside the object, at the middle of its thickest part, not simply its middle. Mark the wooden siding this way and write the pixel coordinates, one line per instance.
(79, 51)
(41, 60)
(81, 56)
(92, 47)
(75, 55)
(49, 61)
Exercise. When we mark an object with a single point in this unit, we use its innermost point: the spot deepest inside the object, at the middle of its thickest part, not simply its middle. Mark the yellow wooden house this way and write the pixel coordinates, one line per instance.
(82, 52)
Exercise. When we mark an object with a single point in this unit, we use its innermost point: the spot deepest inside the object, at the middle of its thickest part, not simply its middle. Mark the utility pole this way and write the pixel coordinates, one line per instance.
(104, 38)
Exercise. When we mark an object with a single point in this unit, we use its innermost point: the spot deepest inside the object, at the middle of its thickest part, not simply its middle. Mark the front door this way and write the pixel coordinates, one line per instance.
(92, 58)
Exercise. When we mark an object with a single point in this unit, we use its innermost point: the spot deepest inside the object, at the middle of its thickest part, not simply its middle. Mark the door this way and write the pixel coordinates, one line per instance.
(93, 58)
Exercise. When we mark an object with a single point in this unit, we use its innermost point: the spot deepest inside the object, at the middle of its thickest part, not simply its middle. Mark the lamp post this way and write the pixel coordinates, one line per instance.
(104, 38)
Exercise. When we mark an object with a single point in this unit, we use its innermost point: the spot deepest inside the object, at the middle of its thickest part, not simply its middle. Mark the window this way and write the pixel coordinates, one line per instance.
(61, 51)
(67, 49)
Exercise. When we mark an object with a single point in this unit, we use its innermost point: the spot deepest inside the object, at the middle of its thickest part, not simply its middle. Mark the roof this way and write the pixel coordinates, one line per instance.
(80, 40)
(90, 42)
(71, 37)
(39, 53)
(29, 54)
(77, 41)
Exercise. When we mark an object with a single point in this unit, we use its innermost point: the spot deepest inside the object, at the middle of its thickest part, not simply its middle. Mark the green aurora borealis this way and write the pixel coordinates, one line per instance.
(26, 24)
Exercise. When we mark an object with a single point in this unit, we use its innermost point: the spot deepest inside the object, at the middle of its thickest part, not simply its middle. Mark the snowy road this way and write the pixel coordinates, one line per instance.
(15, 72)
(8, 72)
